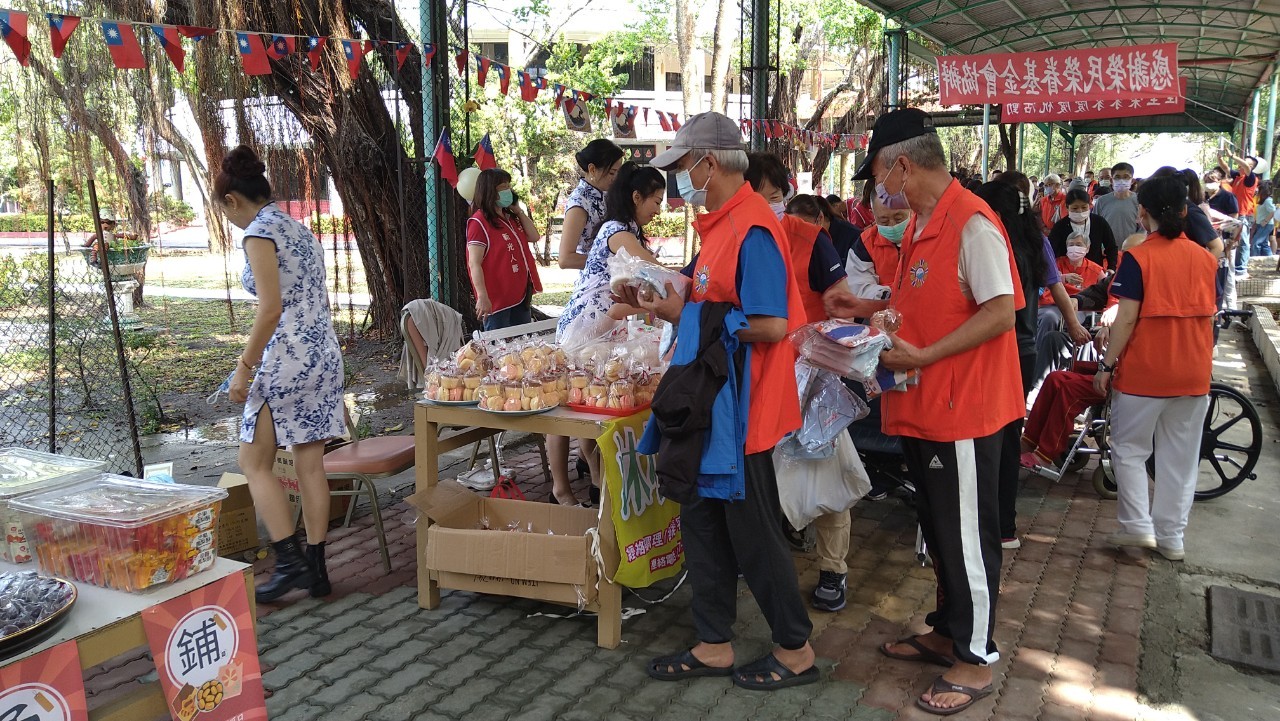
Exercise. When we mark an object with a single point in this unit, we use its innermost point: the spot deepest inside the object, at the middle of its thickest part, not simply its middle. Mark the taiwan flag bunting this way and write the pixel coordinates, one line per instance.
(403, 51)
(504, 77)
(662, 118)
(484, 154)
(529, 86)
(315, 51)
(428, 54)
(13, 27)
(195, 32)
(252, 55)
(125, 52)
(444, 158)
(675, 121)
(353, 51)
(646, 116)
(583, 96)
(60, 29)
(482, 70)
(278, 46)
(171, 42)
(559, 95)
(461, 60)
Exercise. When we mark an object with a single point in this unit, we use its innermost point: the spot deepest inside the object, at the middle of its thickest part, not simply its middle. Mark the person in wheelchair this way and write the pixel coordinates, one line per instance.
(1166, 288)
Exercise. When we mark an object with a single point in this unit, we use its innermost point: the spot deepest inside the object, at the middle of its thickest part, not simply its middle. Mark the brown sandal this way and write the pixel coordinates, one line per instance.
(941, 685)
(924, 653)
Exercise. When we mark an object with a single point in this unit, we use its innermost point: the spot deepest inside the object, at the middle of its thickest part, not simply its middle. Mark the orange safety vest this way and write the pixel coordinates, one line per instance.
(508, 264)
(884, 254)
(801, 236)
(1089, 271)
(1246, 195)
(971, 394)
(1051, 210)
(775, 408)
(1170, 352)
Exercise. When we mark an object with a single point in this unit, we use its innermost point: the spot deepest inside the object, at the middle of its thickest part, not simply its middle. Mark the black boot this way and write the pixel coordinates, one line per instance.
(292, 571)
(315, 556)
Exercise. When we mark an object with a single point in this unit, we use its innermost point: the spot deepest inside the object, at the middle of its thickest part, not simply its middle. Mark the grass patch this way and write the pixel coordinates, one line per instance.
(558, 297)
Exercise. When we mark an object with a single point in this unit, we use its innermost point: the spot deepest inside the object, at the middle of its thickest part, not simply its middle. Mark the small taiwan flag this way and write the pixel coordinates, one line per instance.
(315, 51)
(482, 70)
(278, 46)
(195, 32)
(484, 154)
(171, 43)
(403, 51)
(60, 29)
(353, 51)
(123, 44)
(529, 86)
(504, 77)
(427, 53)
(13, 27)
(252, 55)
(444, 158)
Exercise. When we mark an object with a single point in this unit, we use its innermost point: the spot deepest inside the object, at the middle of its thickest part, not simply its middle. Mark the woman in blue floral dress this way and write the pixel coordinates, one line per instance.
(633, 200)
(290, 374)
(599, 161)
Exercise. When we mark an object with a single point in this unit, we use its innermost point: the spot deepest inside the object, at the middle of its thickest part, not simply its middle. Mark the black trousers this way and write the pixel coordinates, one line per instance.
(1010, 453)
(722, 538)
(958, 505)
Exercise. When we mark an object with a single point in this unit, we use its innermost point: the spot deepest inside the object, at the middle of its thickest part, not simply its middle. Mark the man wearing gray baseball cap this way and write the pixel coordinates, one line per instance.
(734, 522)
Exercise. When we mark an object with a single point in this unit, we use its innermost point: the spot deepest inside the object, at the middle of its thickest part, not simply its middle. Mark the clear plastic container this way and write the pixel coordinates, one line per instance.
(123, 533)
(23, 472)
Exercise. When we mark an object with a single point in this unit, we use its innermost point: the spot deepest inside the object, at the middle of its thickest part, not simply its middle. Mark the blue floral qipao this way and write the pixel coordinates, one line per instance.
(301, 376)
(590, 199)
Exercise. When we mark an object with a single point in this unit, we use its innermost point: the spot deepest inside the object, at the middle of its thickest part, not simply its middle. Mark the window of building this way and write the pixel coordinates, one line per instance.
(496, 51)
(675, 83)
(639, 73)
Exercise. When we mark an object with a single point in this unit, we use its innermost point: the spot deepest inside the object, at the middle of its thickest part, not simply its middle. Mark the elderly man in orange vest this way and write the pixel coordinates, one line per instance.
(745, 262)
(956, 287)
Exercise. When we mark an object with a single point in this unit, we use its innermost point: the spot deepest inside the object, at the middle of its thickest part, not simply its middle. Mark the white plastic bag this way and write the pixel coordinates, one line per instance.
(811, 488)
(627, 270)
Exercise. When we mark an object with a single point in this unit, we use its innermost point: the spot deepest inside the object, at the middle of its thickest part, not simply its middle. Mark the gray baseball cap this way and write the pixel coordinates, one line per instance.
(708, 131)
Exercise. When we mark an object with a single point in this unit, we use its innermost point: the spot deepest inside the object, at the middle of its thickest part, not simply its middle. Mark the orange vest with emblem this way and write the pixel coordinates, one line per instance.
(775, 408)
(801, 236)
(971, 394)
(508, 264)
(884, 254)
(1178, 303)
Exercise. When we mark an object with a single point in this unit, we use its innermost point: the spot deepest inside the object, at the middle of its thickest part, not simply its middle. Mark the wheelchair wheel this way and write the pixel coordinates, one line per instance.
(1104, 478)
(1231, 444)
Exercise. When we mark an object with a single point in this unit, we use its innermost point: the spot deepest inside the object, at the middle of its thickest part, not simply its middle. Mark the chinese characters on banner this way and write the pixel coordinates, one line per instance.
(46, 687)
(206, 653)
(1080, 84)
(647, 525)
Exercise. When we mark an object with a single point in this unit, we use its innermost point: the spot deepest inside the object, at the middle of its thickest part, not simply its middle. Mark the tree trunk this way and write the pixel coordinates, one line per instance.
(686, 47)
(722, 50)
(1009, 145)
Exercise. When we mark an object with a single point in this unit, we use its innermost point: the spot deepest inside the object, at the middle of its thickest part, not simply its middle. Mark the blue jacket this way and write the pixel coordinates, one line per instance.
(721, 472)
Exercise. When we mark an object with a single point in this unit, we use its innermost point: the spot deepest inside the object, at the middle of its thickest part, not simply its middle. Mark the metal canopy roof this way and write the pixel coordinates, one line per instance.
(1225, 48)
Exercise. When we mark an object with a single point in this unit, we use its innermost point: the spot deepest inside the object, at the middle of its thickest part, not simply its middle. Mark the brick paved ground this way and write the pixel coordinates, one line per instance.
(1068, 622)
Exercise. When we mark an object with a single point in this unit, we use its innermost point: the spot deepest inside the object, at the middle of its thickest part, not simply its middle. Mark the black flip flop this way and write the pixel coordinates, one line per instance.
(683, 665)
(759, 675)
(941, 685)
(924, 653)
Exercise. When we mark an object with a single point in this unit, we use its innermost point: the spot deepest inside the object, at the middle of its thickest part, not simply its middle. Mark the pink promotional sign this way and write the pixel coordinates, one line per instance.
(1079, 84)
(46, 687)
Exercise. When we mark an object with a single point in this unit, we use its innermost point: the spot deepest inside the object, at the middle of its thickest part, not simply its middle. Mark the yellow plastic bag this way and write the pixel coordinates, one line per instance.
(646, 524)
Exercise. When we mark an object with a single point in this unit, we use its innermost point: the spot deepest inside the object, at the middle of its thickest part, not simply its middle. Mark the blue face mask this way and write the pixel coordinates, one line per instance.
(894, 201)
(506, 198)
(894, 233)
(684, 185)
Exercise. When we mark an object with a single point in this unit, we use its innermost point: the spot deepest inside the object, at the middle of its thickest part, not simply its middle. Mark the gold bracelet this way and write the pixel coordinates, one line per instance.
(242, 362)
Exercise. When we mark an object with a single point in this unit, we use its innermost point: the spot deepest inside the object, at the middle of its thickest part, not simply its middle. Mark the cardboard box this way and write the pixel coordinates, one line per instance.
(556, 567)
(238, 522)
(288, 477)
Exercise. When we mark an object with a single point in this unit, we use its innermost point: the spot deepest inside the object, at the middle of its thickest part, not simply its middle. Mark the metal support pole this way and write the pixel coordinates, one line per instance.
(1268, 147)
(759, 68)
(1071, 154)
(986, 140)
(1022, 145)
(1048, 147)
(1253, 122)
(895, 64)
(53, 327)
(434, 96)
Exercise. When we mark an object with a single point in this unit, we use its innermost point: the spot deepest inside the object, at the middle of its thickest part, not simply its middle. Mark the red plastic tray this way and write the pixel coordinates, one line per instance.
(614, 412)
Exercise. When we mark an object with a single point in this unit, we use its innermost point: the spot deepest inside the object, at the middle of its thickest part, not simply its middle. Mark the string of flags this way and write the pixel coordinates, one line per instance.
(257, 50)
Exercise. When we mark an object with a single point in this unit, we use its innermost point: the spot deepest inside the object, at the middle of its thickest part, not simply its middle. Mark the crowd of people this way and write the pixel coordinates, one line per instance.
(998, 282)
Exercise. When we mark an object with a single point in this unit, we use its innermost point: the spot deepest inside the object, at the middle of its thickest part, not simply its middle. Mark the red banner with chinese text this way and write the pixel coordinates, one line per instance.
(206, 654)
(48, 687)
(1077, 84)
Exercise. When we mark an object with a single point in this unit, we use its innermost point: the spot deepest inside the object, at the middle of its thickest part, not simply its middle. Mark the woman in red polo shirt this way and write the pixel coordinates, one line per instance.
(503, 273)
(1161, 355)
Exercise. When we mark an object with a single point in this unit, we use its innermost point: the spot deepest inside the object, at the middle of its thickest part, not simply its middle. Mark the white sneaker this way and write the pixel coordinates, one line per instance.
(1135, 540)
(1011, 543)
(1173, 554)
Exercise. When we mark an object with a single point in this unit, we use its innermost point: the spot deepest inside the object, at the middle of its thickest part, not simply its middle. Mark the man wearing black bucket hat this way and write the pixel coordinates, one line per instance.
(956, 288)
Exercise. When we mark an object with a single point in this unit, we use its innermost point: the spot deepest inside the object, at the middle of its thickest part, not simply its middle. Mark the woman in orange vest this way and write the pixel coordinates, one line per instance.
(1053, 204)
(503, 274)
(1159, 364)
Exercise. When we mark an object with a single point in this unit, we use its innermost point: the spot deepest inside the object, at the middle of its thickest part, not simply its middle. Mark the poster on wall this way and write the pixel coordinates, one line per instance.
(206, 654)
(48, 686)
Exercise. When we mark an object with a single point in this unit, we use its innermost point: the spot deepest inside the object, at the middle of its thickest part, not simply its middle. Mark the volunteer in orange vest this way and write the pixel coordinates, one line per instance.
(1053, 204)
(745, 260)
(1158, 363)
(503, 274)
(957, 289)
(1244, 185)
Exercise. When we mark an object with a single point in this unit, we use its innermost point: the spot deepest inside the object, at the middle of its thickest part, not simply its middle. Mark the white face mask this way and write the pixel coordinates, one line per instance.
(778, 209)
(1078, 217)
(1119, 185)
(1076, 254)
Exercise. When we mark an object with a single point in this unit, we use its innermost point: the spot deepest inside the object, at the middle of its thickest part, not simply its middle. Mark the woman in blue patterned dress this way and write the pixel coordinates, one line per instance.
(584, 210)
(290, 374)
(633, 200)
